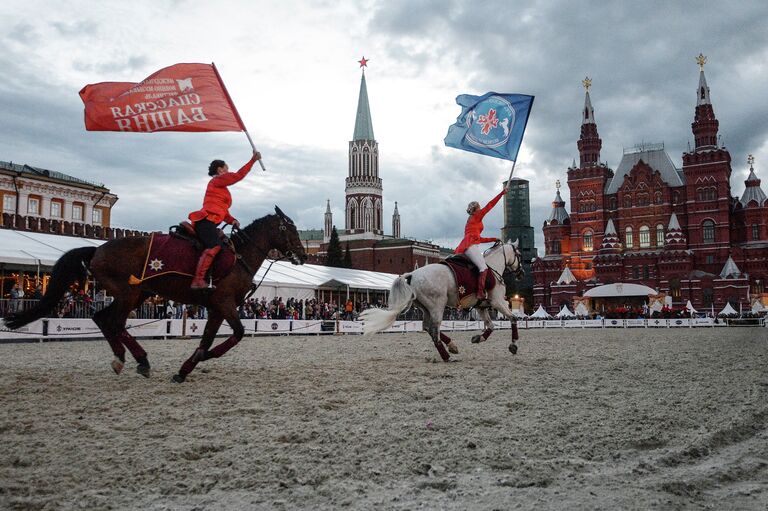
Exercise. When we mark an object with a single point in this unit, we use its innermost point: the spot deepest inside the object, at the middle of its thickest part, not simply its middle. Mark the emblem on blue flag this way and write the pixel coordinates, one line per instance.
(492, 124)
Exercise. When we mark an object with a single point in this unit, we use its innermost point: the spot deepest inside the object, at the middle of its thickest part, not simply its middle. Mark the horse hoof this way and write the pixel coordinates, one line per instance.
(513, 348)
(143, 369)
(476, 339)
(117, 365)
(452, 348)
(177, 378)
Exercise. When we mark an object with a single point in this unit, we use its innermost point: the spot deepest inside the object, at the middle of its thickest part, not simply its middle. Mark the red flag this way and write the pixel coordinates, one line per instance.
(182, 97)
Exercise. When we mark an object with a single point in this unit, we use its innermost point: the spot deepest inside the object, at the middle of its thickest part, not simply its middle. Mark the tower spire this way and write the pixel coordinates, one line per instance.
(705, 124)
(589, 143)
(363, 123)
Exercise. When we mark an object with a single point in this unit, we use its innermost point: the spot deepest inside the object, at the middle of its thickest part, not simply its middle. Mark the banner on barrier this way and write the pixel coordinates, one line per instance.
(552, 323)
(614, 323)
(703, 321)
(30, 331)
(535, 324)
(147, 327)
(657, 323)
(350, 327)
(73, 328)
(273, 326)
(306, 327)
(634, 322)
(572, 323)
(679, 322)
(593, 323)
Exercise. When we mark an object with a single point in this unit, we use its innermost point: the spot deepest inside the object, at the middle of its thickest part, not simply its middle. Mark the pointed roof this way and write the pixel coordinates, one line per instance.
(588, 115)
(540, 313)
(730, 269)
(675, 238)
(653, 155)
(363, 123)
(753, 191)
(327, 206)
(396, 212)
(564, 312)
(611, 241)
(703, 90)
(566, 277)
(558, 210)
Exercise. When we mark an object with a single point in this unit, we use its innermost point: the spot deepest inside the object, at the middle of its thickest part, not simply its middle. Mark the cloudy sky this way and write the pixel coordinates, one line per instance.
(291, 68)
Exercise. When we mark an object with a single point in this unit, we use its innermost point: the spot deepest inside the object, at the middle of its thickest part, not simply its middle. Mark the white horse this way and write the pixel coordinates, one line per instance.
(433, 287)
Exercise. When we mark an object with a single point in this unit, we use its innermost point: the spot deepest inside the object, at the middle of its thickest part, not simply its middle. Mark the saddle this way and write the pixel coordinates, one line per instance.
(184, 230)
(465, 273)
(178, 253)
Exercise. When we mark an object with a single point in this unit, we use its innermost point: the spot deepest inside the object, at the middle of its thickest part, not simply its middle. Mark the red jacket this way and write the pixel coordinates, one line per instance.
(474, 228)
(217, 197)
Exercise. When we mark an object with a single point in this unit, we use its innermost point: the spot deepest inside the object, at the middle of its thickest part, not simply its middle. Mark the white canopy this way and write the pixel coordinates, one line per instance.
(620, 289)
(581, 310)
(757, 307)
(540, 313)
(690, 308)
(727, 310)
(34, 248)
(301, 281)
(564, 312)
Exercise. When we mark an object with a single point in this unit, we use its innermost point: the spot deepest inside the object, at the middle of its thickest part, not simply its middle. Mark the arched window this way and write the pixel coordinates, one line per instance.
(642, 199)
(628, 238)
(675, 197)
(556, 246)
(660, 235)
(613, 203)
(674, 288)
(586, 243)
(645, 236)
(657, 198)
(708, 231)
(627, 201)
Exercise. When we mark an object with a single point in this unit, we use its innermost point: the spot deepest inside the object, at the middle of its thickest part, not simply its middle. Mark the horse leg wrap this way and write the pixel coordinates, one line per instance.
(444, 338)
(224, 347)
(133, 346)
(487, 333)
(515, 335)
(189, 365)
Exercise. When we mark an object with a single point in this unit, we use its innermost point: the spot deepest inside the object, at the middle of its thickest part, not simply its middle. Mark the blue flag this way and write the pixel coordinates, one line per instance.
(492, 124)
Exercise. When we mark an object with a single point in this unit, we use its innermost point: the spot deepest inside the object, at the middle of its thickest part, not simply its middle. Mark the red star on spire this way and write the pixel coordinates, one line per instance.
(363, 62)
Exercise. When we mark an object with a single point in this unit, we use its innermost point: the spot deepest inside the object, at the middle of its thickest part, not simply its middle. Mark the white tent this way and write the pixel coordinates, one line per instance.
(564, 312)
(757, 307)
(281, 278)
(727, 310)
(581, 310)
(25, 248)
(690, 308)
(540, 313)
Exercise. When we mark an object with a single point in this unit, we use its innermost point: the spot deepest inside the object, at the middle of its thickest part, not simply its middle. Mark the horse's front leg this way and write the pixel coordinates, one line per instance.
(486, 317)
(209, 333)
(238, 330)
(500, 304)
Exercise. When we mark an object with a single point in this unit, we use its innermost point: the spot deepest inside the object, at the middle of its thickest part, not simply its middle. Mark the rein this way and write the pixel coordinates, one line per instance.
(517, 259)
(244, 239)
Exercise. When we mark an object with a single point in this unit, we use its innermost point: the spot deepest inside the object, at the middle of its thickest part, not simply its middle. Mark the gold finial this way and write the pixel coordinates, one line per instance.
(701, 60)
(587, 82)
(751, 161)
(557, 185)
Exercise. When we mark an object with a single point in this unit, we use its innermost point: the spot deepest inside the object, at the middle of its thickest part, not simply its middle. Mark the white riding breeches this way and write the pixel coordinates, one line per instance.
(476, 256)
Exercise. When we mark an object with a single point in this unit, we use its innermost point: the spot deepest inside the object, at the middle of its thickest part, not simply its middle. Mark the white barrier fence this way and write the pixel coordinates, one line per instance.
(46, 329)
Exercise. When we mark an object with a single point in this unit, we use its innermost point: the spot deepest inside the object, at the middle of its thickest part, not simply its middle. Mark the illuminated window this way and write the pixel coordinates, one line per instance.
(628, 238)
(587, 241)
(645, 236)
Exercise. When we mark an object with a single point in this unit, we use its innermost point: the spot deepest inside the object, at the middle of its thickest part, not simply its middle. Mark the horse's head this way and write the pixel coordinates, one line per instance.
(506, 257)
(285, 238)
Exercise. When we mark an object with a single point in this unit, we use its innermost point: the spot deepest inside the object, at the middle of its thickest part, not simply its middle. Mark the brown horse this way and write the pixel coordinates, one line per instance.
(116, 261)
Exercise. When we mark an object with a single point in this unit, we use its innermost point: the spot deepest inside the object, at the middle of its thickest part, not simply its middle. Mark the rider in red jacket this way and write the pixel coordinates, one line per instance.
(215, 210)
(473, 236)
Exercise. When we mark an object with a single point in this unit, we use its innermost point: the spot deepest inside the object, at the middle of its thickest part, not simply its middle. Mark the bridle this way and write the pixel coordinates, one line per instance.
(519, 273)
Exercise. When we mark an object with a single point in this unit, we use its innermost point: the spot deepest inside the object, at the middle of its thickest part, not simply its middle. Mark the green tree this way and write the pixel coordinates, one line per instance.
(333, 256)
(347, 257)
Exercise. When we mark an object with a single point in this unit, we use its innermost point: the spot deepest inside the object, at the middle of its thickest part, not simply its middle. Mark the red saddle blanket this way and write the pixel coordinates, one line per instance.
(169, 254)
(465, 274)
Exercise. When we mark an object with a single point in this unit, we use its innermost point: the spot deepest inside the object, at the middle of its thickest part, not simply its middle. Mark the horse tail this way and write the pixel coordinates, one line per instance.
(70, 268)
(400, 298)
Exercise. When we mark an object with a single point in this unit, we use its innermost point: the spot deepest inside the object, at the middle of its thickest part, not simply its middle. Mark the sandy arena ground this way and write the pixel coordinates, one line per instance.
(592, 419)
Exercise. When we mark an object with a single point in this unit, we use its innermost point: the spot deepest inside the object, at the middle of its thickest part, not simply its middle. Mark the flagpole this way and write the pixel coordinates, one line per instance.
(509, 181)
(237, 114)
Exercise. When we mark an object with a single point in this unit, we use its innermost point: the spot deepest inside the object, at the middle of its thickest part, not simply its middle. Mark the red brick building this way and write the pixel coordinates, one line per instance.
(678, 231)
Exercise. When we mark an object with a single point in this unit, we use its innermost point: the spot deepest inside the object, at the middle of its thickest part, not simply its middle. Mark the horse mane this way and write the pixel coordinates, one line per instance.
(248, 233)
